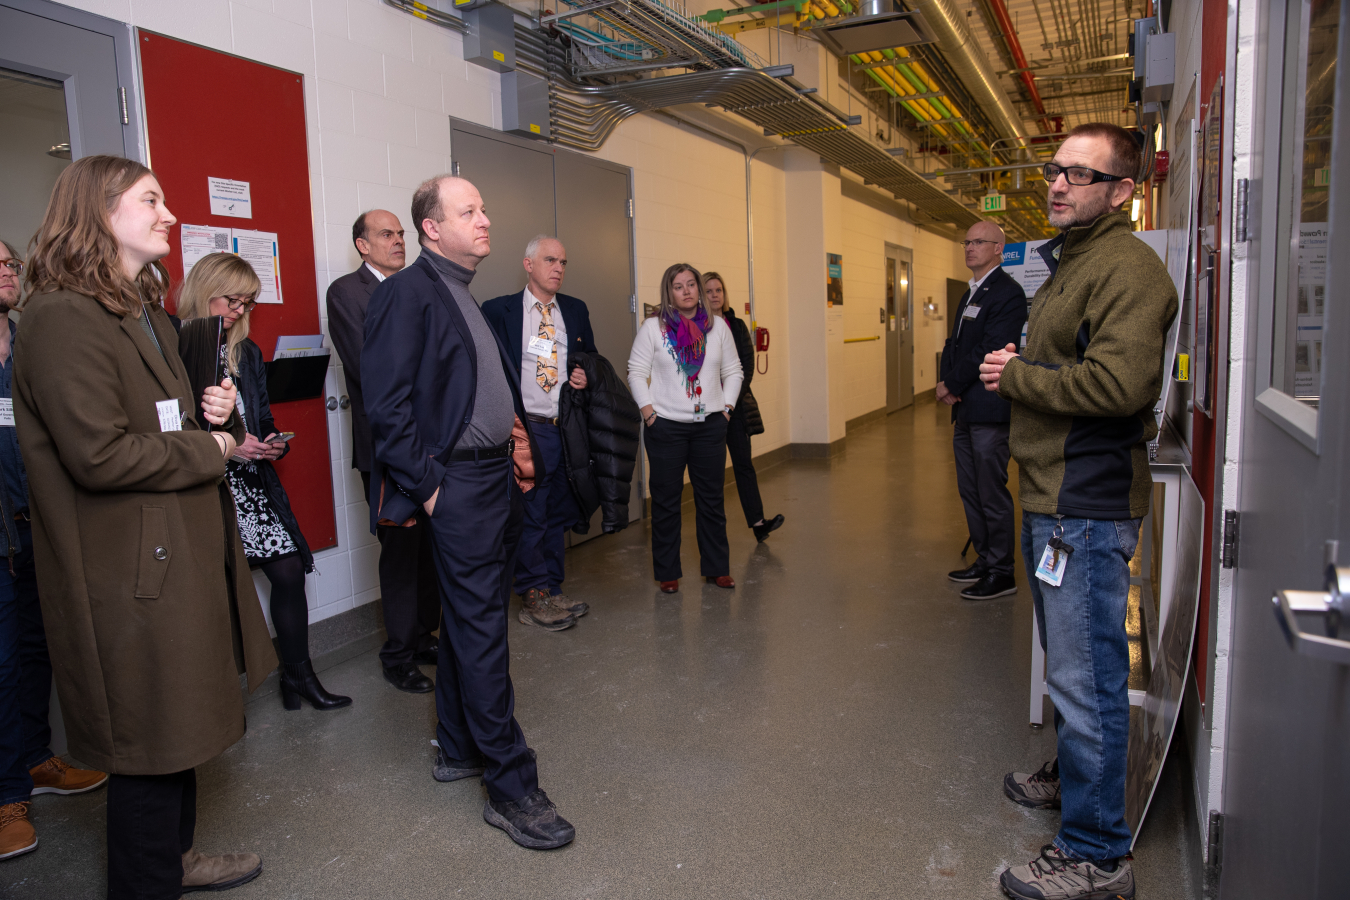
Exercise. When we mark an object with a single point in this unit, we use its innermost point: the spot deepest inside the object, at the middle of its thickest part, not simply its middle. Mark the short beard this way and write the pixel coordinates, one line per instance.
(1084, 213)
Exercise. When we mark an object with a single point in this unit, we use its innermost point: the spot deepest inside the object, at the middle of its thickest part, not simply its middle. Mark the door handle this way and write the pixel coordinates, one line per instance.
(1301, 612)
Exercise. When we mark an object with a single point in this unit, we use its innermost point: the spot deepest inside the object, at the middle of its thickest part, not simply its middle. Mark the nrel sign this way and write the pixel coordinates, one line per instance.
(993, 203)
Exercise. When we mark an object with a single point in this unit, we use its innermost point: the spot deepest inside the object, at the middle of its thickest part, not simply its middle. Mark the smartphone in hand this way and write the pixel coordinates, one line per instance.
(279, 438)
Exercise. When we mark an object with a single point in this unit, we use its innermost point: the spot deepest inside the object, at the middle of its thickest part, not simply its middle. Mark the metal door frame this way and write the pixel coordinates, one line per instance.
(124, 53)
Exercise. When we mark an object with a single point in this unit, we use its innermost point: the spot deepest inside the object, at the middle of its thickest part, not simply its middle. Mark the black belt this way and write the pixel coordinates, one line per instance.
(463, 454)
(542, 420)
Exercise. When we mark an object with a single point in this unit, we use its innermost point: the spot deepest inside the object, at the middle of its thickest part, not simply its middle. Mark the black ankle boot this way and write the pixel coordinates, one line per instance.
(298, 680)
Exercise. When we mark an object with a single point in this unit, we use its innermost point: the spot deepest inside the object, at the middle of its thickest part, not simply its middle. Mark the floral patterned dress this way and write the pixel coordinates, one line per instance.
(260, 527)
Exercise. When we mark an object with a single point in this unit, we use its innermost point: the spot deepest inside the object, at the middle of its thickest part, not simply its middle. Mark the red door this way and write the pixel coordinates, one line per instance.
(212, 115)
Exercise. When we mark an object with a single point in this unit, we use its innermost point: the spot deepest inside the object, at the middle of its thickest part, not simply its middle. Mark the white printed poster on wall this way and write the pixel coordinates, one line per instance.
(259, 250)
(230, 198)
(200, 241)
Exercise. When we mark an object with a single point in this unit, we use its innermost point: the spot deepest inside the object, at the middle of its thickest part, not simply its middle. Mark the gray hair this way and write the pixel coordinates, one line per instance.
(533, 246)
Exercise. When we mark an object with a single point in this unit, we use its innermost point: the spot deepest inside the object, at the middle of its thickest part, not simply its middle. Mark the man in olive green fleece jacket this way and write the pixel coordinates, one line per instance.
(1082, 414)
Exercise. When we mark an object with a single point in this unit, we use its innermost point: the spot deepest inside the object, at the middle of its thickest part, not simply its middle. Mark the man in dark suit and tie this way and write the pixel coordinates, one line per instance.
(412, 609)
(443, 399)
(541, 326)
(991, 316)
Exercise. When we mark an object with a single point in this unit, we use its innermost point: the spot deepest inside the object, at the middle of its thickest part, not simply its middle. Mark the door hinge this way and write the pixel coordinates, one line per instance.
(1230, 538)
(1214, 859)
(454, 169)
(630, 207)
(632, 303)
(1240, 233)
(122, 93)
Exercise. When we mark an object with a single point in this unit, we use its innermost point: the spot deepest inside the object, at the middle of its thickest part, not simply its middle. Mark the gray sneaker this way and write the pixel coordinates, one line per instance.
(1039, 790)
(1054, 876)
(535, 609)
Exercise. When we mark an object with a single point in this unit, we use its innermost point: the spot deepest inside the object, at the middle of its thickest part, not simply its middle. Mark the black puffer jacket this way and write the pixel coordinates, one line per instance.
(599, 427)
(746, 405)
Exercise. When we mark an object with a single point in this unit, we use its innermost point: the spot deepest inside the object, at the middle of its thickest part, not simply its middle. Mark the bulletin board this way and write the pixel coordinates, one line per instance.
(212, 115)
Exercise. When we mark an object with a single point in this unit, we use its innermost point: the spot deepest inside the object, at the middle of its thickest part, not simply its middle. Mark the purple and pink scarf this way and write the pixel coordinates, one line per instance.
(687, 341)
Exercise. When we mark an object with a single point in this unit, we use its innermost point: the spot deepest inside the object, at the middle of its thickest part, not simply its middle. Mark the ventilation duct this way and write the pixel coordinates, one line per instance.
(881, 25)
(968, 61)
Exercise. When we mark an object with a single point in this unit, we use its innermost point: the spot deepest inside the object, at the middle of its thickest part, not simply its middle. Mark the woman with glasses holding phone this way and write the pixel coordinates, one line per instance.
(224, 285)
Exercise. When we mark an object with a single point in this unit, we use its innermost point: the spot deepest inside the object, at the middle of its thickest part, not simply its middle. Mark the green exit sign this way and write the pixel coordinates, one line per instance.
(1322, 177)
(993, 203)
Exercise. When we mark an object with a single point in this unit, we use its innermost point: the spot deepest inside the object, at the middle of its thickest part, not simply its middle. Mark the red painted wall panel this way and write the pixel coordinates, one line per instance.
(209, 114)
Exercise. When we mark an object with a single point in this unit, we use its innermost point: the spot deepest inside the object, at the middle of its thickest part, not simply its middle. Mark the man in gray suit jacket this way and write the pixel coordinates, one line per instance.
(407, 570)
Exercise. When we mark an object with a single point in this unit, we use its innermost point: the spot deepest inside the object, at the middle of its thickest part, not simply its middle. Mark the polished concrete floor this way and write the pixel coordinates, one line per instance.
(838, 726)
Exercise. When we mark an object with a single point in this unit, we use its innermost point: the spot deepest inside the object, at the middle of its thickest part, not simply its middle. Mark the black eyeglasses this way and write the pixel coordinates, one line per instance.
(15, 265)
(1078, 175)
(240, 303)
(976, 243)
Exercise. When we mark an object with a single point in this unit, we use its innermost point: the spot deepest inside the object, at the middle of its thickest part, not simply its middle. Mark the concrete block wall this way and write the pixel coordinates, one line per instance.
(379, 86)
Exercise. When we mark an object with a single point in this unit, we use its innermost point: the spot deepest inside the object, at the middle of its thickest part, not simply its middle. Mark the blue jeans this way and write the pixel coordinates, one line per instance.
(25, 673)
(551, 512)
(1087, 661)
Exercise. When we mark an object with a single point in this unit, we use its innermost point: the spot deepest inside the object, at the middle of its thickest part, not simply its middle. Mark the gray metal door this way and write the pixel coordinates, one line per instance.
(516, 181)
(1287, 780)
(899, 314)
(60, 99)
(594, 226)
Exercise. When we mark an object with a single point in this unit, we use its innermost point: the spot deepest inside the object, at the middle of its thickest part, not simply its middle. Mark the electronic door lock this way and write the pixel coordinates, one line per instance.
(1328, 608)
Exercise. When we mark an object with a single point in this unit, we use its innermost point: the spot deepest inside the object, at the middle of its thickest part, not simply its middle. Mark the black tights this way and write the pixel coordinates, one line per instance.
(290, 612)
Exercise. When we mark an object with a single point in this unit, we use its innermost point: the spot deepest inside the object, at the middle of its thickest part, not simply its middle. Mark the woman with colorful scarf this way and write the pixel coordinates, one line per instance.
(685, 374)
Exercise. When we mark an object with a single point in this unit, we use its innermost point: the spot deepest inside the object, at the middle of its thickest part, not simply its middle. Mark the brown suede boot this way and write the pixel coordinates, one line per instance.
(218, 873)
(535, 609)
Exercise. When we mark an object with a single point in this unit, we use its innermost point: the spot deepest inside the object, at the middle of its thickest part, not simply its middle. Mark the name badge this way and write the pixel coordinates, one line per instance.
(971, 312)
(541, 346)
(6, 412)
(1052, 565)
(170, 419)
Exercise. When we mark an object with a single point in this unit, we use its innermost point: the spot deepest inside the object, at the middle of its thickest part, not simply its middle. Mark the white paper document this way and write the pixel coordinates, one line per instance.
(6, 412)
(202, 240)
(259, 250)
(230, 198)
(288, 342)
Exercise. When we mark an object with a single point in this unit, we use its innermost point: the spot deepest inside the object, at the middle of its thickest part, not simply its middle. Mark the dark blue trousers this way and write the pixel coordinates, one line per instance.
(475, 529)
(539, 563)
(25, 674)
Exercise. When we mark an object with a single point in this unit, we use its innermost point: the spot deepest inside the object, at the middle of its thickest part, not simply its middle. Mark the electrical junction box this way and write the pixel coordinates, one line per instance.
(525, 109)
(490, 41)
(1160, 67)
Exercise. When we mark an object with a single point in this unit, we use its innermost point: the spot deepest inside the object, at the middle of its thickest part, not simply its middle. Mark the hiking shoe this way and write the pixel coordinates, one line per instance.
(56, 776)
(1054, 876)
(535, 609)
(1039, 790)
(577, 608)
(532, 821)
(218, 873)
(17, 836)
(449, 769)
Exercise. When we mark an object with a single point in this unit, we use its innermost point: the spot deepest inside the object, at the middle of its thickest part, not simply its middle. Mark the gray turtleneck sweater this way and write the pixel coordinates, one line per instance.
(493, 410)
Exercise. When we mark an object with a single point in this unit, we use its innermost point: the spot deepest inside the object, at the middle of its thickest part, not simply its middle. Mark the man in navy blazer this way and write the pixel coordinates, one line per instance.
(990, 316)
(443, 397)
(540, 327)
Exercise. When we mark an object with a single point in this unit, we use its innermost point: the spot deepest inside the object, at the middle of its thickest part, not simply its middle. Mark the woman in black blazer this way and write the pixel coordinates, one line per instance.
(745, 419)
(224, 285)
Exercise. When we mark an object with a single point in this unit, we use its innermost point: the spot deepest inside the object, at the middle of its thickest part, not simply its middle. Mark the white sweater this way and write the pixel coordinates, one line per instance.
(652, 361)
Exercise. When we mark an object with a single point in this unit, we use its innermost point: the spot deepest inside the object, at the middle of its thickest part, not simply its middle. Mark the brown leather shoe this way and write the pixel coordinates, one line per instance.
(535, 609)
(722, 581)
(670, 587)
(55, 776)
(218, 873)
(17, 836)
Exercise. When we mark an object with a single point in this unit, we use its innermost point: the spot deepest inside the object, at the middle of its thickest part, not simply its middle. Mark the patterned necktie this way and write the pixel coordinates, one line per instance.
(546, 371)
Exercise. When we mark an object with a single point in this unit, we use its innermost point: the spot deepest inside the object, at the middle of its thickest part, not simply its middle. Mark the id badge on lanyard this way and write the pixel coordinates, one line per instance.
(1055, 558)
(700, 408)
